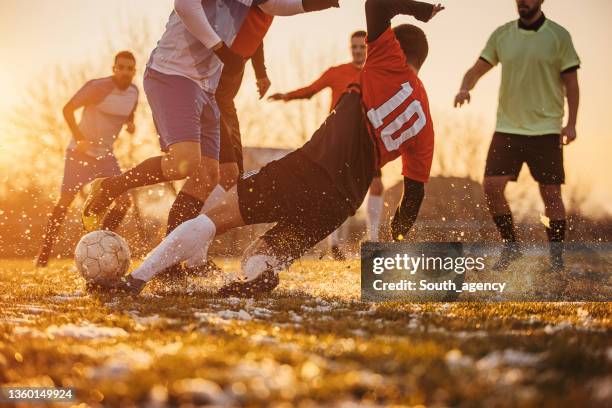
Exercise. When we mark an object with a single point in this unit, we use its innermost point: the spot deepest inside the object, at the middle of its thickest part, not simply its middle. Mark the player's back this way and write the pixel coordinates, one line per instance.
(397, 108)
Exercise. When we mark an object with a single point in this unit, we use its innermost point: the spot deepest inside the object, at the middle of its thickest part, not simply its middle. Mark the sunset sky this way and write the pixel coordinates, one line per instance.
(38, 34)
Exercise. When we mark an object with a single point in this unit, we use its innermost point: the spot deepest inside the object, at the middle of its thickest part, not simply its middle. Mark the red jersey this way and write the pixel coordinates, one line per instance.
(397, 108)
(337, 78)
(252, 32)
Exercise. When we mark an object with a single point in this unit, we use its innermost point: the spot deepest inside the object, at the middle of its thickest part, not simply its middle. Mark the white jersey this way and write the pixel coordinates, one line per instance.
(179, 52)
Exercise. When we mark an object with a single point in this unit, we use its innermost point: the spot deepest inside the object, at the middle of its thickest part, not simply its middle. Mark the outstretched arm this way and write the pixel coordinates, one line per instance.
(380, 12)
(304, 93)
(406, 213)
(292, 7)
(471, 78)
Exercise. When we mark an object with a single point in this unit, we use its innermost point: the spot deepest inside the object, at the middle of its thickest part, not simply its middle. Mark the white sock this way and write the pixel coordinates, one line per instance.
(375, 206)
(182, 243)
(334, 238)
(214, 198)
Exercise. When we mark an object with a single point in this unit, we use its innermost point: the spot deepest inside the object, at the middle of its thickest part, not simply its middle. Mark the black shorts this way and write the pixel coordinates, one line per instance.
(231, 143)
(543, 155)
(297, 195)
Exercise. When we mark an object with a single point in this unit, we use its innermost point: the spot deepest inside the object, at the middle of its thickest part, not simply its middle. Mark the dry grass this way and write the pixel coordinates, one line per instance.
(312, 343)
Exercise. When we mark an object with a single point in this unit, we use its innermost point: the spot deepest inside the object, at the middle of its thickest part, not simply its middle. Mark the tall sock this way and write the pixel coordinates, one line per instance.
(214, 198)
(184, 208)
(145, 174)
(556, 231)
(51, 231)
(114, 217)
(179, 246)
(505, 226)
(374, 209)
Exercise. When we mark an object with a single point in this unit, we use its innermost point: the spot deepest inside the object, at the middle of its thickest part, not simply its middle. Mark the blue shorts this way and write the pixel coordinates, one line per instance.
(80, 169)
(183, 112)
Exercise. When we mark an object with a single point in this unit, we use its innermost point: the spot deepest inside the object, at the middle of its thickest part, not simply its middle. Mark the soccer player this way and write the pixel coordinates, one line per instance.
(338, 78)
(314, 189)
(108, 104)
(539, 68)
(181, 79)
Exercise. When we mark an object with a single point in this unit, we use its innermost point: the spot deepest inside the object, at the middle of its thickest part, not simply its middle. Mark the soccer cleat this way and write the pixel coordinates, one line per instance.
(264, 283)
(337, 255)
(92, 221)
(510, 253)
(130, 286)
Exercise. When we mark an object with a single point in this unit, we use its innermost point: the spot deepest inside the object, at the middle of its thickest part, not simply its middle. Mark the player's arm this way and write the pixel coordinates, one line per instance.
(380, 12)
(68, 113)
(572, 91)
(129, 123)
(258, 60)
(89, 94)
(408, 209)
(193, 16)
(293, 7)
(470, 79)
(307, 92)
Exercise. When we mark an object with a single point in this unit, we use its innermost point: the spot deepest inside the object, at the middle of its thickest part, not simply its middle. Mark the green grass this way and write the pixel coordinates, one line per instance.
(311, 343)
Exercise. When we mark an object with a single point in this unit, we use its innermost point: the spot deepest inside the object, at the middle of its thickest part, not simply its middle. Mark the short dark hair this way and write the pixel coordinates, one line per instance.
(413, 42)
(359, 34)
(126, 55)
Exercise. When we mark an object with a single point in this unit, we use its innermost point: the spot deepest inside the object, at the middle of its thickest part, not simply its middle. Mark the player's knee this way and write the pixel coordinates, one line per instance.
(182, 164)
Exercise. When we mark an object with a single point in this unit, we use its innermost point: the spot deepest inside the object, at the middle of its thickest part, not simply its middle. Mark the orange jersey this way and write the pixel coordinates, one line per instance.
(252, 32)
(337, 78)
(397, 108)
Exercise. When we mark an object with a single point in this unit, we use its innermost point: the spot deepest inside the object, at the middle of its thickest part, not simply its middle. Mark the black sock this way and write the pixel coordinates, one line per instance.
(184, 208)
(556, 231)
(114, 217)
(145, 174)
(505, 226)
(51, 231)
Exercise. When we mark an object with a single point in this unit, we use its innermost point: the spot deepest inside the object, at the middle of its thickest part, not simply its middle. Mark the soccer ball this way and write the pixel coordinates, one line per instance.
(102, 257)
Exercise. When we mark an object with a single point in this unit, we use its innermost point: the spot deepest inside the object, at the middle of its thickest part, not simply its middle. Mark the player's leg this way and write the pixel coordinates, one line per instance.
(279, 247)
(79, 169)
(545, 162)
(109, 167)
(375, 207)
(504, 161)
(177, 104)
(191, 238)
(408, 210)
(230, 153)
(54, 224)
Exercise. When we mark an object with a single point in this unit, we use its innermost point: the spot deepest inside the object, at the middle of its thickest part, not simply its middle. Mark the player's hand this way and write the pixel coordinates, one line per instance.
(318, 5)
(82, 146)
(462, 97)
(568, 135)
(436, 9)
(232, 62)
(278, 97)
(263, 84)
(131, 128)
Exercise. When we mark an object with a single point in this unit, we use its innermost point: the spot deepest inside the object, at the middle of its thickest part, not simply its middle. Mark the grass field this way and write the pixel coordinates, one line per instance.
(311, 343)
